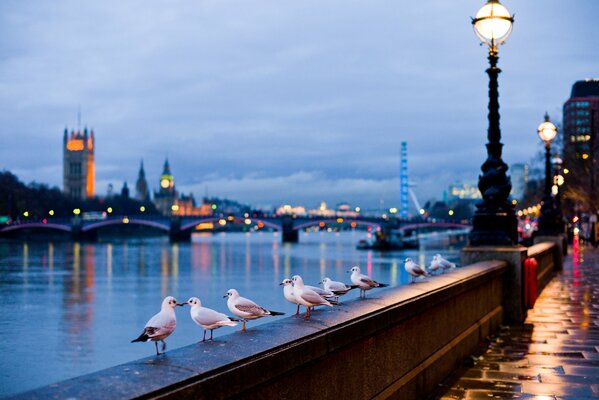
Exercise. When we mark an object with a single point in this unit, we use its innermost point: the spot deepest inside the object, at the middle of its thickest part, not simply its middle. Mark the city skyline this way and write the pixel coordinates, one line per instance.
(281, 103)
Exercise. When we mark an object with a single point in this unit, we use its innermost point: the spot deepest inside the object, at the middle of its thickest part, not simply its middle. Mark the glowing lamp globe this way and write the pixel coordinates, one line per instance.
(493, 23)
(547, 131)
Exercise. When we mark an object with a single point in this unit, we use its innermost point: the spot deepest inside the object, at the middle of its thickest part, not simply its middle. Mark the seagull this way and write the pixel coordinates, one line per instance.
(288, 293)
(435, 264)
(338, 288)
(245, 308)
(306, 296)
(414, 269)
(363, 281)
(207, 318)
(446, 265)
(161, 325)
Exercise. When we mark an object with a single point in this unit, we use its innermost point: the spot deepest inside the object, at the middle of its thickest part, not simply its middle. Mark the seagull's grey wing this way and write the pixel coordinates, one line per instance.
(366, 280)
(251, 308)
(418, 269)
(312, 297)
(208, 316)
(335, 286)
(151, 330)
(161, 319)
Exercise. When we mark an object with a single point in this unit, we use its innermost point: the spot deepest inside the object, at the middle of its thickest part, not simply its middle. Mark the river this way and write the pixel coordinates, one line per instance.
(72, 308)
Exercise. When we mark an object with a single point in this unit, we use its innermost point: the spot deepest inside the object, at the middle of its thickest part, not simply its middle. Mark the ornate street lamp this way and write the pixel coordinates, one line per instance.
(494, 221)
(548, 224)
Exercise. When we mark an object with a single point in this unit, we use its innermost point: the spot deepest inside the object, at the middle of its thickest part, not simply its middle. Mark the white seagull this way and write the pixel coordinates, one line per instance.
(245, 308)
(288, 293)
(338, 288)
(435, 264)
(414, 269)
(445, 264)
(161, 325)
(207, 318)
(364, 282)
(306, 296)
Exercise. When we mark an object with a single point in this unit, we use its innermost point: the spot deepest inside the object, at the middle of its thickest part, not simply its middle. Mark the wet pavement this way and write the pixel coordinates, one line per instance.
(553, 355)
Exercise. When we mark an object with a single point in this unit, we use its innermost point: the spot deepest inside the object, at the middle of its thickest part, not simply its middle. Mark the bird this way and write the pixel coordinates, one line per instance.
(161, 325)
(288, 293)
(306, 296)
(338, 288)
(362, 281)
(246, 309)
(208, 318)
(445, 264)
(435, 264)
(414, 269)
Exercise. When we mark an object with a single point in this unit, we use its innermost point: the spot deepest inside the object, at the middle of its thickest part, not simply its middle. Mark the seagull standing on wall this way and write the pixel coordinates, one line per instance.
(288, 293)
(245, 308)
(435, 264)
(445, 264)
(207, 318)
(338, 288)
(306, 296)
(161, 325)
(414, 269)
(364, 282)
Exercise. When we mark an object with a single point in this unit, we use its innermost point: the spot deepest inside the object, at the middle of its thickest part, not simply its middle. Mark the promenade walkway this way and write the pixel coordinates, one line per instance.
(554, 355)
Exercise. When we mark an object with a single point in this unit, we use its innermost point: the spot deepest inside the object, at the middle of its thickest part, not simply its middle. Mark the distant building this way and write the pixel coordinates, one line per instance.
(141, 186)
(78, 164)
(464, 191)
(287, 209)
(519, 175)
(186, 205)
(125, 191)
(580, 134)
(344, 210)
(165, 198)
(322, 211)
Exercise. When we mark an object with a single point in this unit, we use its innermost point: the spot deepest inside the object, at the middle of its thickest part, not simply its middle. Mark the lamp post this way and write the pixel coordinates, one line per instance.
(557, 183)
(494, 221)
(548, 225)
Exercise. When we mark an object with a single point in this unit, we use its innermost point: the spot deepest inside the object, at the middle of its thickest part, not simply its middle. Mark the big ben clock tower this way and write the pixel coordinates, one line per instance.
(166, 196)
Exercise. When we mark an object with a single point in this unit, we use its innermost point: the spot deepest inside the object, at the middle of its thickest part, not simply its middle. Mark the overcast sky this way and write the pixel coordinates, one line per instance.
(271, 102)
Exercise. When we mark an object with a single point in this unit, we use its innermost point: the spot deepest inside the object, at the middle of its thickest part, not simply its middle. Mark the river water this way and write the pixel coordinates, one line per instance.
(72, 308)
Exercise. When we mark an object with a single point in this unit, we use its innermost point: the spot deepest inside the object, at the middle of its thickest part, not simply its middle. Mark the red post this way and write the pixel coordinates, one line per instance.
(530, 282)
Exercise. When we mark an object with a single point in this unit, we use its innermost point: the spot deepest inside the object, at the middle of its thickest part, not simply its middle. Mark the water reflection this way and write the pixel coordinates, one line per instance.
(92, 298)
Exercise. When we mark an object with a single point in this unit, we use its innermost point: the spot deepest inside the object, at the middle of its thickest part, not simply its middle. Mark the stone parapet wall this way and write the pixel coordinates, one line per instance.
(398, 343)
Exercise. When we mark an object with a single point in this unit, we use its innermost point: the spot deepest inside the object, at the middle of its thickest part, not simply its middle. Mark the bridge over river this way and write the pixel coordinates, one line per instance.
(180, 228)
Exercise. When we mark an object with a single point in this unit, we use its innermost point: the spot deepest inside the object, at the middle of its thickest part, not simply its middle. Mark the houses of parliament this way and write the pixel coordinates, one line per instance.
(79, 178)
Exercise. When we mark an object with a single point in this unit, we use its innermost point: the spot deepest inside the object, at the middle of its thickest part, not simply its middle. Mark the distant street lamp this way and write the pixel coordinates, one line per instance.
(548, 224)
(494, 221)
(558, 182)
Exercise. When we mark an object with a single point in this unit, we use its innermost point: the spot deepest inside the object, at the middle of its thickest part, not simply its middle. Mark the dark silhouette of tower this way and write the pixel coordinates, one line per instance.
(141, 186)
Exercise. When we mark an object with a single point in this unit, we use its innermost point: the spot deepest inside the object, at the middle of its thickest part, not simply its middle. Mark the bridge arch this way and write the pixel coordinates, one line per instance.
(36, 225)
(335, 221)
(121, 221)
